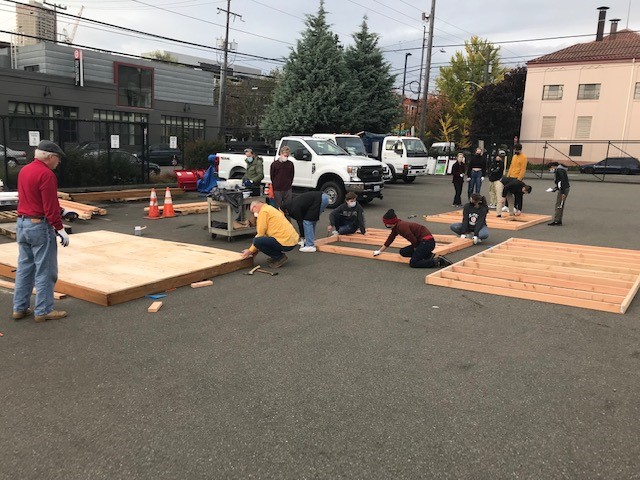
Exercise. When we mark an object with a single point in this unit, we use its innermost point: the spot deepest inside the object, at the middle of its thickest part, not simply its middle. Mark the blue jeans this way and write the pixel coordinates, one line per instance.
(457, 228)
(37, 265)
(309, 226)
(271, 247)
(475, 182)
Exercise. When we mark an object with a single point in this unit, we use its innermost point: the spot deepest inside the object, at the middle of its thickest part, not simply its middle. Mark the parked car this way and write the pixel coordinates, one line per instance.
(623, 165)
(162, 154)
(117, 155)
(15, 157)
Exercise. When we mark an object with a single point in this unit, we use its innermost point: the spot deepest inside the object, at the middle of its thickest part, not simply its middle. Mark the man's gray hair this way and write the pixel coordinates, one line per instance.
(41, 154)
(255, 203)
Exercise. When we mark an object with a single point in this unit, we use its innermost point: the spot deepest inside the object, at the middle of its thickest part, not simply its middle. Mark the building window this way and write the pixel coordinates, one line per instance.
(636, 93)
(54, 122)
(552, 92)
(134, 85)
(184, 128)
(32, 68)
(128, 125)
(583, 127)
(589, 91)
(575, 150)
(548, 127)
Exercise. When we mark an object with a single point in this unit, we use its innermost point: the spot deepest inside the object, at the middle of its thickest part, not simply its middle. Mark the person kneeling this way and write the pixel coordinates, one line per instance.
(474, 219)
(422, 242)
(348, 217)
(274, 234)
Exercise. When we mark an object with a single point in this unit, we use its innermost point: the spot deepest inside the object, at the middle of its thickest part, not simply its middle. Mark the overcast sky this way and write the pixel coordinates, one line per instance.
(270, 28)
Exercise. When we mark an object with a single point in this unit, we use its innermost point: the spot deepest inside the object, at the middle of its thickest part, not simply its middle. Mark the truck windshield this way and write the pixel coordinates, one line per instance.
(325, 147)
(353, 145)
(414, 147)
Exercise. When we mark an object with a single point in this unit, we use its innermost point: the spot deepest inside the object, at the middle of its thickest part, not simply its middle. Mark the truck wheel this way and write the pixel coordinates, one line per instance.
(408, 179)
(335, 192)
(394, 177)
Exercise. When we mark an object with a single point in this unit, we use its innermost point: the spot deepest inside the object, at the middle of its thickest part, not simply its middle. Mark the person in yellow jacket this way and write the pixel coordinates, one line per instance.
(517, 169)
(274, 234)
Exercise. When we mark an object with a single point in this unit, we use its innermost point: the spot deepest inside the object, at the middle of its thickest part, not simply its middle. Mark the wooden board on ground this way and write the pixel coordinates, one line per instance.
(11, 286)
(118, 195)
(189, 208)
(8, 215)
(85, 212)
(109, 268)
(8, 229)
(598, 278)
(375, 236)
(506, 222)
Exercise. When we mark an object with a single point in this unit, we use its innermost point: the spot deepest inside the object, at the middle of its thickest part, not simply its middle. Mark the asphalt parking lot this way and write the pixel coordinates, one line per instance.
(339, 367)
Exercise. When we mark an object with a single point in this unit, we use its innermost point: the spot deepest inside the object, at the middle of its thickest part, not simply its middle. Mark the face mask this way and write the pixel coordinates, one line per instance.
(249, 159)
(255, 214)
(283, 159)
(388, 226)
(351, 204)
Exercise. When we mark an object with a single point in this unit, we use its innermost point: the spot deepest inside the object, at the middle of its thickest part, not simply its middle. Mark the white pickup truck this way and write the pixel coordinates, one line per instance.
(405, 156)
(319, 165)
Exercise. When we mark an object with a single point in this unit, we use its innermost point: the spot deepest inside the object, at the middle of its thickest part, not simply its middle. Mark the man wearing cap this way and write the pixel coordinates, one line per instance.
(422, 242)
(255, 171)
(38, 223)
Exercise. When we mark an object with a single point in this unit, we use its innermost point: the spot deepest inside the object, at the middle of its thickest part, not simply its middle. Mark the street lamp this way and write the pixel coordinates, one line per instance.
(404, 76)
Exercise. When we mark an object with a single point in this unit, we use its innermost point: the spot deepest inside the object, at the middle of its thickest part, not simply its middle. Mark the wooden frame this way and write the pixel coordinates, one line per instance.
(108, 268)
(597, 278)
(375, 236)
(506, 222)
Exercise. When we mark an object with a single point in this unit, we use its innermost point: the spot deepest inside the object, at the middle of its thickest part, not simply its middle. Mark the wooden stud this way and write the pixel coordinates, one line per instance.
(154, 307)
(503, 223)
(204, 283)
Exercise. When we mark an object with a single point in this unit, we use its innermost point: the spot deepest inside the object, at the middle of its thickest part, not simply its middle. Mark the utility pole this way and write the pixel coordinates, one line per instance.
(487, 63)
(55, 18)
(423, 113)
(223, 71)
(424, 39)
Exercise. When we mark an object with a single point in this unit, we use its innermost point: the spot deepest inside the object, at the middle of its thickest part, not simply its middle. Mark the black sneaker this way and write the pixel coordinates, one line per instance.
(444, 261)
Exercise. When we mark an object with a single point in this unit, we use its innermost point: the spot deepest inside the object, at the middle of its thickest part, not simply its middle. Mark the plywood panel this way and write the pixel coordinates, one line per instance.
(109, 268)
(376, 237)
(506, 222)
(598, 278)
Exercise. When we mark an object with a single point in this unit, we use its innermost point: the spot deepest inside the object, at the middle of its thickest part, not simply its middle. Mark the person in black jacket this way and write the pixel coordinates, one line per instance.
(496, 170)
(306, 210)
(476, 172)
(561, 181)
(457, 172)
(348, 217)
(513, 191)
(474, 219)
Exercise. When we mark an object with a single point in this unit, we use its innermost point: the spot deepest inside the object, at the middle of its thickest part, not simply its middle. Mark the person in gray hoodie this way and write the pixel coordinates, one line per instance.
(474, 220)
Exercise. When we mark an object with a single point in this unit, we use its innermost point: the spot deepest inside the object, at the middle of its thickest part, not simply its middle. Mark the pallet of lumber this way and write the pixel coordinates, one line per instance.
(189, 208)
(505, 222)
(6, 215)
(64, 196)
(597, 278)
(118, 195)
(8, 230)
(376, 237)
(108, 268)
(84, 211)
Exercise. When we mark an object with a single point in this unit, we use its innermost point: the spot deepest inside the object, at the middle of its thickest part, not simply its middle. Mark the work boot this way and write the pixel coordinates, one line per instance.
(279, 262)
(22, 314)
(52, 315)
(444, 261)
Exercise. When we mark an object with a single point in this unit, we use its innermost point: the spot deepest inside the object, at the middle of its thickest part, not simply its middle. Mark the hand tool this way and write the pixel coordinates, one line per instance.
(266, 271)
(250, 272)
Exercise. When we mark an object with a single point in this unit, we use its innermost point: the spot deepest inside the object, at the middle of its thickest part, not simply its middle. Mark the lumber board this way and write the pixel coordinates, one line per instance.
(203, 283)
(189, 208)
(117, 195)
(444, 244)
(11, 286)
(583, 277)
(64, 196)
(8, 230)
(154, 307)
(108, 268)
(84, 211)
(8, 214)
(506, 222)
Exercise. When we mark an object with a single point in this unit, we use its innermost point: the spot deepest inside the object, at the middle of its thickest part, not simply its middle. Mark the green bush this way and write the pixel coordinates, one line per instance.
(79, 169)
(196, 153)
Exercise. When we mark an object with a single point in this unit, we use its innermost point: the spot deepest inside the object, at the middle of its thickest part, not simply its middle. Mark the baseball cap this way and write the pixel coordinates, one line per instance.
(248, 150)
(51, 147)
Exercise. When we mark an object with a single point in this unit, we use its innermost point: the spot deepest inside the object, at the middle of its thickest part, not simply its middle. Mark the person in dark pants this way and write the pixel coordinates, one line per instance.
(475, 172)
(561, 181)
(348, 217)
(422, 242)
(306, 209)
(281, 173)
(457, 171)
(474, 220)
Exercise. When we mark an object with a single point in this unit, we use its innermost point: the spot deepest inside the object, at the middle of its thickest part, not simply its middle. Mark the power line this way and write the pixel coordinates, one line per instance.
(383, 14)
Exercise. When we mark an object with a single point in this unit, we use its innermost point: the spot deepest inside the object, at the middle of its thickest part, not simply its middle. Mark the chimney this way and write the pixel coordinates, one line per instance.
(614, 27)
(601, 19)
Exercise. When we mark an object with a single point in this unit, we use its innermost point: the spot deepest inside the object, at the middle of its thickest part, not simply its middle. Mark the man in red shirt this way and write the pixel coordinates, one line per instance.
(422, 242)
(38, 223)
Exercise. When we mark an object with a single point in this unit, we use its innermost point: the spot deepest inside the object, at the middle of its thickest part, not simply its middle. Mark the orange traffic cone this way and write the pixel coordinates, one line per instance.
(154, 211)
(167, 209)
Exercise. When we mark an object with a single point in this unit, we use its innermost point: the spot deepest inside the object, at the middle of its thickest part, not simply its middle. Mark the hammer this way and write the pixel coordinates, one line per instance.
(266, 271)
(250, 272)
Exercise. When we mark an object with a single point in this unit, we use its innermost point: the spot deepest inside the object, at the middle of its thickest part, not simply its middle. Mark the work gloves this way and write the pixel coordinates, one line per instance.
(64, 237)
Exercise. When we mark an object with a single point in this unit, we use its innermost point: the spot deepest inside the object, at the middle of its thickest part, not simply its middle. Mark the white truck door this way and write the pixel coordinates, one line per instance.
(391, 155)
(302, 159)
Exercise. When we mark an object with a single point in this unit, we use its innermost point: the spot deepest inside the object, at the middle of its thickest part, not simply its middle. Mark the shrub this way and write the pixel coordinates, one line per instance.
(196, 153)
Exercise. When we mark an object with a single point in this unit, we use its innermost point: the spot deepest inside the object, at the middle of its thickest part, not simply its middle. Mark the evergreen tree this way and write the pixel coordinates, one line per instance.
(371, 99)
(311, 94)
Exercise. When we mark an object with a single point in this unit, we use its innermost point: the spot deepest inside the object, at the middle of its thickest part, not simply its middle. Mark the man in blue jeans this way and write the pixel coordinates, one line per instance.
(38, 224)
(306, 210)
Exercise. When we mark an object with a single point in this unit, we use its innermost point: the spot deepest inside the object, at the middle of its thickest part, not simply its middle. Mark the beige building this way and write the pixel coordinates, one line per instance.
(37, 21)
(583, 102)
